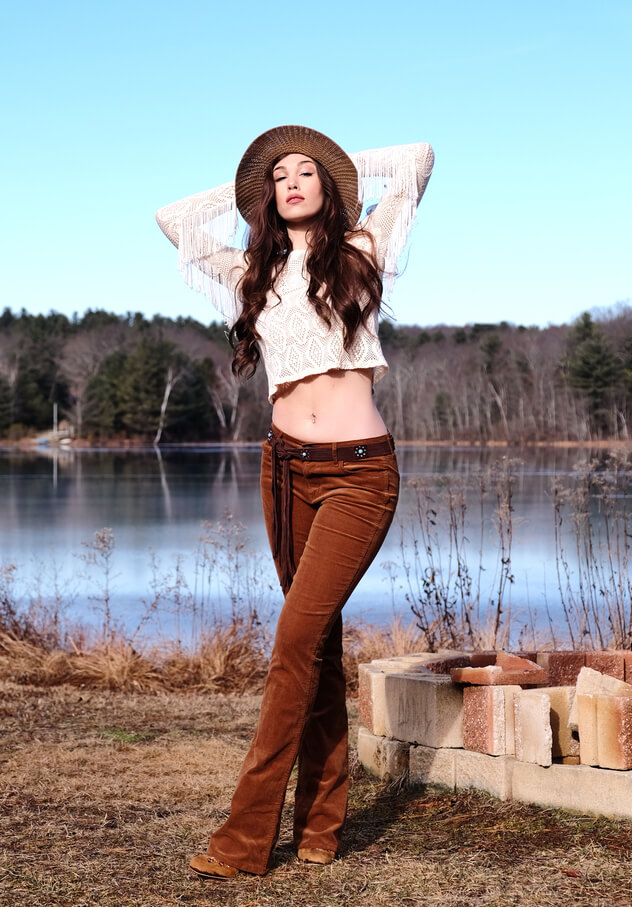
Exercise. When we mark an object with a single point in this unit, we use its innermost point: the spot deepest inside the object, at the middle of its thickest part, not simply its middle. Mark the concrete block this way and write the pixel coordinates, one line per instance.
(435, 767)
(564, 741)
(591, 681)
(371, 698)
(489, 773)
(610, 663)
(422, 708)
(562, 667)
(533, 735)
(485, 713)
(614, 727)
(386, 759)
(577, 787)
(408, 665)
(588, 730)
(422, 661)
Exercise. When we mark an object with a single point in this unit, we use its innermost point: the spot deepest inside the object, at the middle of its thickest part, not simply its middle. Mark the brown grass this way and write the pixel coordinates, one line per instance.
(106, 795)
(231, 659)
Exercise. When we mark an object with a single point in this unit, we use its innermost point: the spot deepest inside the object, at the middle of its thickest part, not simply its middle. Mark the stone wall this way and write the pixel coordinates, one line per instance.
(552, 728)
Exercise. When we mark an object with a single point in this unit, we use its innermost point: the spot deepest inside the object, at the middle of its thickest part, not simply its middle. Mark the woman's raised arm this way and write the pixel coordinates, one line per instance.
(395, 178)
(201, 227)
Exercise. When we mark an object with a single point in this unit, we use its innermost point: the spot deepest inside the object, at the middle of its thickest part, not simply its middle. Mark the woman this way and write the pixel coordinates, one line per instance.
(305, 297)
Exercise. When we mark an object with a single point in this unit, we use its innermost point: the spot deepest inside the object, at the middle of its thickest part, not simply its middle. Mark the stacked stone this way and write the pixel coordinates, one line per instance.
(496, 721)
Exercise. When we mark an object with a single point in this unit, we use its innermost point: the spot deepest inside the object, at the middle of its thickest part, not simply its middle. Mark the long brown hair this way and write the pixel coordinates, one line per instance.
(343, 279)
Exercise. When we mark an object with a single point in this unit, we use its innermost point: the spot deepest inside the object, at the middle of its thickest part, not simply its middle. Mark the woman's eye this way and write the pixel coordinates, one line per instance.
(278, 179)
(307, 173)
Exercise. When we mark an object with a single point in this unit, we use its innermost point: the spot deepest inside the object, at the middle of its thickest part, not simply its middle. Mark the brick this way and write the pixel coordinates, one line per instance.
(485, 713)
(577, 787)
(510, 662)
(443, 665)
(614, 727)
(434, 767)
(610, 663)
(627, 664)
(386, 759)
(591, 681)
(530, 656)
(533, 735)
(492, 774)
(422, 708)
(564, 742)
(562, 667)
(508, 670)
(588, 730)
(487, 675)
(483, 659)
(527, 673)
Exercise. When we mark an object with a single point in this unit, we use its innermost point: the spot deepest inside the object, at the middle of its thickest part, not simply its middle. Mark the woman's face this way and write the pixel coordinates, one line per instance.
(298, 190)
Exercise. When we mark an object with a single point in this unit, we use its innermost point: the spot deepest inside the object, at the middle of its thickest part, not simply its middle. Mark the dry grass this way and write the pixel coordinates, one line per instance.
(231, 659)
(106, 795)
(363, 642)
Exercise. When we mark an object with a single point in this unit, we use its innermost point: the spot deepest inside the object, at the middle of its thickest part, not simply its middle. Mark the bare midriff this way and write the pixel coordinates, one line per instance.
(335, 406)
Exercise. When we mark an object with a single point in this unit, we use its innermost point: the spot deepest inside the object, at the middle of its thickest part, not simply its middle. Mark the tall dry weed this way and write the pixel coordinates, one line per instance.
(443, 568)
(593, 520)
(363, 642)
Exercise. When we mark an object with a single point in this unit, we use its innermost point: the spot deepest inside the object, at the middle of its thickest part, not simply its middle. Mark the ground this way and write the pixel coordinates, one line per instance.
(105, 797)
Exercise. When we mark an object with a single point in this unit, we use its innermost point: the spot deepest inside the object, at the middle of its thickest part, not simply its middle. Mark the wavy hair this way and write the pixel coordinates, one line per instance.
(344, 281)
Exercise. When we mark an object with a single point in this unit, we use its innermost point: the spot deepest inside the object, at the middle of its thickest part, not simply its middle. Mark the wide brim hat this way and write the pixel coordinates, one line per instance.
(282, 140)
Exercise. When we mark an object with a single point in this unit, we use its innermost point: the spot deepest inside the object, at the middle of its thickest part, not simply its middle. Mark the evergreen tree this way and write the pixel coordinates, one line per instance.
(6, 406)
(103, 414)
(592, 367)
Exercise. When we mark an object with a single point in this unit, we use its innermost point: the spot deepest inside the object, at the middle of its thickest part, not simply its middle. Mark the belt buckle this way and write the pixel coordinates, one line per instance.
(360, 451)
(305, 453)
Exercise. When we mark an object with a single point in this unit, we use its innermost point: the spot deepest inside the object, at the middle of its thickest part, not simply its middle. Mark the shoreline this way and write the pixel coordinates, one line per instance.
(30, 445)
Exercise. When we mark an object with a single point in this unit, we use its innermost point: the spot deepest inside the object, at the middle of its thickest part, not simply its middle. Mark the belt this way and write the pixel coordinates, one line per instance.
(283, 451)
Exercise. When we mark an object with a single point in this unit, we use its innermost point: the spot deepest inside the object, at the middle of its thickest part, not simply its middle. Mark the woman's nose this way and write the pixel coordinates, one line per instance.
(292, 182)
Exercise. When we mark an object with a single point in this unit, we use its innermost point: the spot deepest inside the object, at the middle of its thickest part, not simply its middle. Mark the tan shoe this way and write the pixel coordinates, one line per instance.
(210, 868)
(315, 855)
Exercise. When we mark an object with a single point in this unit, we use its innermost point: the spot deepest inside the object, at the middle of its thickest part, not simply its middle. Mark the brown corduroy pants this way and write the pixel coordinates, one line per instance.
(340, 513)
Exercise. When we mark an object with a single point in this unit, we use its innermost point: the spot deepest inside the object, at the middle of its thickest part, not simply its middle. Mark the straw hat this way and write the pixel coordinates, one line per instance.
(284, 140)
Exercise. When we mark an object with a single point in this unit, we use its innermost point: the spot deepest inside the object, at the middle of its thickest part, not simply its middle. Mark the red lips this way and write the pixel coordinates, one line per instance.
(294, 198)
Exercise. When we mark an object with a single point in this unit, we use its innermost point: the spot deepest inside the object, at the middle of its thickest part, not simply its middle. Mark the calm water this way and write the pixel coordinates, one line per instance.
(51, 503)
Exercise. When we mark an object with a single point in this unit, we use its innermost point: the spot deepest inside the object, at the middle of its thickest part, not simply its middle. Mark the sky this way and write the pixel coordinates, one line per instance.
(111, 110)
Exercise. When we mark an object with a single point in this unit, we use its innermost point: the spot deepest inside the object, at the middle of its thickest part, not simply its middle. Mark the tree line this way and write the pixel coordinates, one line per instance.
(169, 380)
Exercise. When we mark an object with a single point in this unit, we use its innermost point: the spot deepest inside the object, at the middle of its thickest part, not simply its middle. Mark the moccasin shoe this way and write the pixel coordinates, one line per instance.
(210, 868)
(315, 855)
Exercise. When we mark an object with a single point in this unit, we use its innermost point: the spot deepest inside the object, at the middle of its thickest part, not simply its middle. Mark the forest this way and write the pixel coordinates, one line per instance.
(125, 378)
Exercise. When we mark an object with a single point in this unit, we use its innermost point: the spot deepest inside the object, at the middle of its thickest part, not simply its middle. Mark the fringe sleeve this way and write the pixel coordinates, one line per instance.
(201, 227)
(396, 179)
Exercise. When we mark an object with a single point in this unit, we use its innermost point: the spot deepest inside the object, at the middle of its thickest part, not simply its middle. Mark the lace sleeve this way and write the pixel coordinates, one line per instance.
(396, 178)
(201, 227)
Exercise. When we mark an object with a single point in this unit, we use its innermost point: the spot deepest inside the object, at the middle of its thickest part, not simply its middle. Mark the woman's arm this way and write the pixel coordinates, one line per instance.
(397, 177)
(201, 226)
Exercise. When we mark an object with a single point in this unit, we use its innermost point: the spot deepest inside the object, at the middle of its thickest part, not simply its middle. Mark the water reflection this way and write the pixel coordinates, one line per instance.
(52, 501)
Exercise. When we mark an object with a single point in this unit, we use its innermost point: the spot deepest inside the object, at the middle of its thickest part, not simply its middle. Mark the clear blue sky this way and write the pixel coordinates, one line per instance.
(111, 110)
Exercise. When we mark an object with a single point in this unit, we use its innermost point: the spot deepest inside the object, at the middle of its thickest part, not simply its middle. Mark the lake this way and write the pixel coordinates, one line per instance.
(54, 501)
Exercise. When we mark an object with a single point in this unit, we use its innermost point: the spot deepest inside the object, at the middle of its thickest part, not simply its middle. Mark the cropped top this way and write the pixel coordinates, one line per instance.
(295, 341)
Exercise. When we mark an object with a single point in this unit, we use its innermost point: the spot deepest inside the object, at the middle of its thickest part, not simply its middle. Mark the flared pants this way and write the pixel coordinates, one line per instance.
(340, 513)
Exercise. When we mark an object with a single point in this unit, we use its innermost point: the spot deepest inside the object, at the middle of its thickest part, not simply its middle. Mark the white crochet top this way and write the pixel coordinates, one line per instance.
(294, 340)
